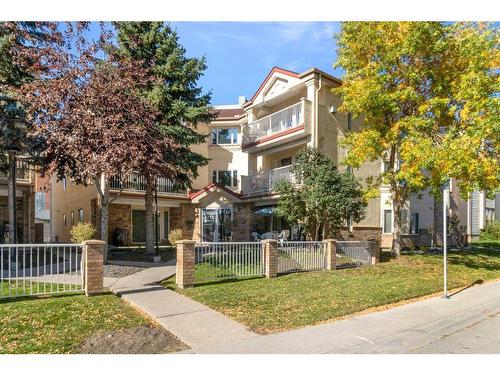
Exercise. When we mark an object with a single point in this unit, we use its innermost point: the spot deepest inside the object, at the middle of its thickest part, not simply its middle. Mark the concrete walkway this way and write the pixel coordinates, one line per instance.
(422, 327)
(195, 324)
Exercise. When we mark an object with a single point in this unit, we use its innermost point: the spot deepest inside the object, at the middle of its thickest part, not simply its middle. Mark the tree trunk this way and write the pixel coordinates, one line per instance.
(102, 187)
(148, 217)
(396, 241)
(11, 192)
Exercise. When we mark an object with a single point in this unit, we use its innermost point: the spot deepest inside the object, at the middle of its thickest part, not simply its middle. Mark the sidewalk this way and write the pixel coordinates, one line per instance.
(195, 324)
(412, 328)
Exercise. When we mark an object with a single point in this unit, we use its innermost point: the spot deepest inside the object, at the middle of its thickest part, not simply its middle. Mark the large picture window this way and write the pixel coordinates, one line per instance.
(225, 178)
(221, 136)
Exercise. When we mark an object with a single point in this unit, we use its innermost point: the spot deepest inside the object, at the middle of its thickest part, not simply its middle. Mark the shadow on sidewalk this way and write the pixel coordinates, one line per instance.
(477, 282)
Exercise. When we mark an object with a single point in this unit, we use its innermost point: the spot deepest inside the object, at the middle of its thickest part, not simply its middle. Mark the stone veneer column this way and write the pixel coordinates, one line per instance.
(93, 252)
(331, 254)
(184, 276)
(270, 248)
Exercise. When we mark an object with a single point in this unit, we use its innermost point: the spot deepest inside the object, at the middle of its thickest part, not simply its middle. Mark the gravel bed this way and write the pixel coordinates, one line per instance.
(111, 270)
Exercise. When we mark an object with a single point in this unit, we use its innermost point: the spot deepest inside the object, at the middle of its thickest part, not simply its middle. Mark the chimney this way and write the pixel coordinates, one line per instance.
(241, 100)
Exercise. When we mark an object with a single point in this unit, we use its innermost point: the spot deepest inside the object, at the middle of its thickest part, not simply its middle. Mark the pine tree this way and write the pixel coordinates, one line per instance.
(179, 100)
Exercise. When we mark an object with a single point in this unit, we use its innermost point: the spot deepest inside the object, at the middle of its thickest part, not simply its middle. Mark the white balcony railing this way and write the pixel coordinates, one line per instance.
(279, 121)
(137, 182)
(265, 181)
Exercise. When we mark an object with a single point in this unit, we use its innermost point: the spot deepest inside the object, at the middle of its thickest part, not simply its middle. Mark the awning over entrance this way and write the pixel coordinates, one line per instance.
(265, 211)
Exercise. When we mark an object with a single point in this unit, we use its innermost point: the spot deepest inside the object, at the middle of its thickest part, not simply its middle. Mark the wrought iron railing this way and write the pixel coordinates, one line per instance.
(22, 170)
(137, 182)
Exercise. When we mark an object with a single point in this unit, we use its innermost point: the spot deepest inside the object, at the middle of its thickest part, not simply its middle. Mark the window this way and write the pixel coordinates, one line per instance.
(64, 183)
(225, 178)
(387, 221)
(64, 219)
(72, 218)
(165, 224)
(80, 215)
(221, 136)
(414, 224)
(405, 225)
(349, 121)
(216, 225)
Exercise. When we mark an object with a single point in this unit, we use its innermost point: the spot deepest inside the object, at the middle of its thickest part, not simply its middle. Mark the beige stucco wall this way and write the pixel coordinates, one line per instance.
(72, 199)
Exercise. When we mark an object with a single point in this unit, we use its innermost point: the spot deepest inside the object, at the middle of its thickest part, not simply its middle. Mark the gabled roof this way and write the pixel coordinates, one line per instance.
(213, 187)
(268, 77)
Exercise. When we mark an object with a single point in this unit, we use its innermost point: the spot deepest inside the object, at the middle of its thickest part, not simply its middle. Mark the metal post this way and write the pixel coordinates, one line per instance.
(446, 199)
(11, 187)
(156, 220)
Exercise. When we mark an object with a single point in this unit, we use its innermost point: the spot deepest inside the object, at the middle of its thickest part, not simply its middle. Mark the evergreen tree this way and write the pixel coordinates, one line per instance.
(180, 102)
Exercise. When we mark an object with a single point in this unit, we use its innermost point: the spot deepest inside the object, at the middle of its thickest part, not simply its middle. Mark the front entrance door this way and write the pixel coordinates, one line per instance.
(216, 224)
(138, 226)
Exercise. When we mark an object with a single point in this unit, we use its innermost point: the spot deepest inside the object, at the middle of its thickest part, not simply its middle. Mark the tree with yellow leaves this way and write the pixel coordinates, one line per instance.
(428, 96)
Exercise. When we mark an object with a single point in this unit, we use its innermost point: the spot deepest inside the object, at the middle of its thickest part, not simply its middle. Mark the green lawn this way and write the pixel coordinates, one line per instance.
(302, 299)
(59, 324)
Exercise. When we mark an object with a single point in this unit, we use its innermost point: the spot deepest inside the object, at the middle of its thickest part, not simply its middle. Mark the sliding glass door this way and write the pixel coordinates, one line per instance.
(216, 224)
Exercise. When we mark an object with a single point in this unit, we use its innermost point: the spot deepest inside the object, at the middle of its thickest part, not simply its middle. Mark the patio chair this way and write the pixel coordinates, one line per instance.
(284, 235)
(255, 237)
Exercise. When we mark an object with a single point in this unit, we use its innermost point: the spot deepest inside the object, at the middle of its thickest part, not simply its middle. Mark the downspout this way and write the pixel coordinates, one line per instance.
(316, 111)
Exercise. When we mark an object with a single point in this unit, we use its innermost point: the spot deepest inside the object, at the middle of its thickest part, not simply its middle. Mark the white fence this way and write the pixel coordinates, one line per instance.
(301, 256)
(233, 260)
(228, 260)
(33, 269)
(354, 253)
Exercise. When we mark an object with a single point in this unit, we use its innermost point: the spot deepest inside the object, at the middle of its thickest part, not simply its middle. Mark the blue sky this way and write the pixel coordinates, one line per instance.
(240, 54)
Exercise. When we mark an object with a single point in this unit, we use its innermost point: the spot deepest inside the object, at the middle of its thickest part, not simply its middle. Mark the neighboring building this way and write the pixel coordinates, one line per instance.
(251, 146)
(474, 214)
(42, 208)
(25, 204)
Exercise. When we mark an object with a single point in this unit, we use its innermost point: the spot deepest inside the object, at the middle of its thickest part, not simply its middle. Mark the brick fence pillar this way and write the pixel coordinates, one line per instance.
(331, 254)
(93, 252)
(270, 248)
(375, 252)
(184, 276)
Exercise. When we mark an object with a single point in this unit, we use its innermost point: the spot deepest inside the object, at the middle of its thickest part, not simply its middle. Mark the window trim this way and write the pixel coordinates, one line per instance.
(233, 177)
(384, 222)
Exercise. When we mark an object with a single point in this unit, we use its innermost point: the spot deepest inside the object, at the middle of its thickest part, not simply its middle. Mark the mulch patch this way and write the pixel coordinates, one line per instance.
(137, 340)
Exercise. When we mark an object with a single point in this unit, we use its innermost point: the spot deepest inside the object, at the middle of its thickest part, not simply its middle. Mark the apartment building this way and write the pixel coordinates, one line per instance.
(251, 146)
(25, 204)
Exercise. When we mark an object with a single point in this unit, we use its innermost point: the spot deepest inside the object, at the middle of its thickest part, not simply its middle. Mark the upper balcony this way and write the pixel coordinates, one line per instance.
(288, 124)
(135, 182)
(23, 172)
(264, 182)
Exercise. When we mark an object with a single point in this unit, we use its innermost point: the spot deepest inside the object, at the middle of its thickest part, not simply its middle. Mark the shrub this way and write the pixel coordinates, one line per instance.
(174, 236)
(491, 232)
(83, 232)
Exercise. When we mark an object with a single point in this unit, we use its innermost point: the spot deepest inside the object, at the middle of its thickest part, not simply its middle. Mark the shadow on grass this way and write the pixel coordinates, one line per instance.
(477, 282)
(44, 296)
